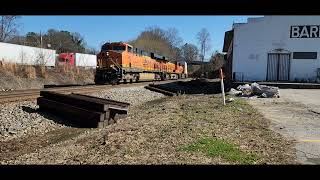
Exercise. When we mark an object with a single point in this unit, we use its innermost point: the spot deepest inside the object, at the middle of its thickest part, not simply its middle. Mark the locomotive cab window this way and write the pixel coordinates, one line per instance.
(119, 48)
(115, 48)
(129, 49)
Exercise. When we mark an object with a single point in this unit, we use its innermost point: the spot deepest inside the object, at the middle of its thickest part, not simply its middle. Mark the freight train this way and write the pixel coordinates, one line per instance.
(120, 62)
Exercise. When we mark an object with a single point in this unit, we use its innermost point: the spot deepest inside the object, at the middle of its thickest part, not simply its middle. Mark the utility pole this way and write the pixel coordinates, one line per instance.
(40, 40)
(41, 51)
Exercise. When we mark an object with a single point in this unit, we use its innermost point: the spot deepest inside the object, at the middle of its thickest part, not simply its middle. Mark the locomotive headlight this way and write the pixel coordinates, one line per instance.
(107, 53)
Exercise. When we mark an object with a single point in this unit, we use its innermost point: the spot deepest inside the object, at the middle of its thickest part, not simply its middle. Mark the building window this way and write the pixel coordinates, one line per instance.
(304, 55)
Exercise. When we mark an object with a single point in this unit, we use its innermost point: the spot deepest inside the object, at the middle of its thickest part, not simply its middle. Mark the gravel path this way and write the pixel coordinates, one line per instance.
(21, 118)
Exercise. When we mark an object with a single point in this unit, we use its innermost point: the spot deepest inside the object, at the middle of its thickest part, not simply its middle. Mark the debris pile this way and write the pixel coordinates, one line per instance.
(256, 90)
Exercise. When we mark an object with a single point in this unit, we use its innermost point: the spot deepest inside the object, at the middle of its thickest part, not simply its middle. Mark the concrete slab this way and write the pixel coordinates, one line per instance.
(296, 115)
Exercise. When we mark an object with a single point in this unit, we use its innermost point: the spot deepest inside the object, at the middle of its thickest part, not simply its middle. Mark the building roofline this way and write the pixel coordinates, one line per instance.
(228, 37)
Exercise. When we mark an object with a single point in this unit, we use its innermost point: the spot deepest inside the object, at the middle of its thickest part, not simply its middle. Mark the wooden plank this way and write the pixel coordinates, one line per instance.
(117, 110)
(168, 93)
(111, 103)
(74, 101)
(102, 100)
(71, 113)
(165, 88)
(101, 124)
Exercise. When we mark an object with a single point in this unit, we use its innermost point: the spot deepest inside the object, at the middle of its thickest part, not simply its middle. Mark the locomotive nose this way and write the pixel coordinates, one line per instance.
(104, 54)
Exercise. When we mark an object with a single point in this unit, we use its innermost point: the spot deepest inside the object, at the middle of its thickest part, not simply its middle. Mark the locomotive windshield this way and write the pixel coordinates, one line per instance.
(119, 48)
(113, 47)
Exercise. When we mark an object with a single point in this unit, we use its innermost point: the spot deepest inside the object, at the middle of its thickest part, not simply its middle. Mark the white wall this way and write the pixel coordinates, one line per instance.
(26, 55)
(86, 60)
(253, 41)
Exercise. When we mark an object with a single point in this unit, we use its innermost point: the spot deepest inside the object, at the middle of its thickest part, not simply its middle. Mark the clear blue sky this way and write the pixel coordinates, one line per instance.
(98, 29)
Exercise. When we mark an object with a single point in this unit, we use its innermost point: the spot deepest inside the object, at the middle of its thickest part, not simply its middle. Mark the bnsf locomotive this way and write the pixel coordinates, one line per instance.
(120, 62)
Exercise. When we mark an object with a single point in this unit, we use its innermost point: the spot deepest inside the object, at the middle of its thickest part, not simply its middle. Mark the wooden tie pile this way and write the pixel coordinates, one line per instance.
(82, 110)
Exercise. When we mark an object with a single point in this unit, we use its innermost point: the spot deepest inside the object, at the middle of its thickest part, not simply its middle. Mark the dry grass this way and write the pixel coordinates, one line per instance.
(9, 67)
(42, 72)
(16, 76)
(30, 72)
(74, 73)
(22, 71)
(188, 129)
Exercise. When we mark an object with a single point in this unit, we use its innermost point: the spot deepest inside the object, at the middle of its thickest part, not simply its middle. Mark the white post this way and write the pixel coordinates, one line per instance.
(222, 87)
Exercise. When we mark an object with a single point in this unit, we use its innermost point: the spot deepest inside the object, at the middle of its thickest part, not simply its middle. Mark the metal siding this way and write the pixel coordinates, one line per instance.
(273, 32)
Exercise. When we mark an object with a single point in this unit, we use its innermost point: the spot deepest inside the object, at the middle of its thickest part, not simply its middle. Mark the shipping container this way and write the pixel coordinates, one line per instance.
(86, 60)
(27, 55)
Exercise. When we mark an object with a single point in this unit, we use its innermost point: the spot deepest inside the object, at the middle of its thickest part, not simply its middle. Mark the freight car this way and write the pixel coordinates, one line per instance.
(120, 62)
(77, 59)
(65, 59)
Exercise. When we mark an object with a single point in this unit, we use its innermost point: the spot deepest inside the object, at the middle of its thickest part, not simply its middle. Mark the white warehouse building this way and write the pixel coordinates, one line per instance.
(274, 48)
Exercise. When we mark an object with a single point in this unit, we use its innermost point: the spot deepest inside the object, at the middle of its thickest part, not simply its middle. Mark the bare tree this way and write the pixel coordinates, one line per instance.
(160, 41)
(18, 40)
(173, 37)
(8, 27)
(217, 60)
(204, 41)
(189, 52)
(91, 50)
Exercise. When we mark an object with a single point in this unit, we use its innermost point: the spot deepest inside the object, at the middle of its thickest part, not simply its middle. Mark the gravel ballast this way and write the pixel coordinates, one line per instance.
(21, 118)
(133, 95)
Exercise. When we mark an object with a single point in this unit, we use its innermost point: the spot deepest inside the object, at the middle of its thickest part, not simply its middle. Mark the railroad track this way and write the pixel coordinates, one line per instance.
(31, 94)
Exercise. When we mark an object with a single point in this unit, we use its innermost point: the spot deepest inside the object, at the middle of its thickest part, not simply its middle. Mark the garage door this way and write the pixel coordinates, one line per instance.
(278, 67)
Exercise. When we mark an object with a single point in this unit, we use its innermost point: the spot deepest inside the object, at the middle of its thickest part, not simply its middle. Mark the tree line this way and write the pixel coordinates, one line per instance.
(61, 41)
(166, 42)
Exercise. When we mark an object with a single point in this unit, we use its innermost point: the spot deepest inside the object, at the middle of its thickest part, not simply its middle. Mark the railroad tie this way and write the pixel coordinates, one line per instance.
(83, 110)
(160, 90)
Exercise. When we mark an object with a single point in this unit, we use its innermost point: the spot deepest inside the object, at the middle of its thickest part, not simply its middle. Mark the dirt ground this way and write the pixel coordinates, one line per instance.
(296, 115)
(187, 129)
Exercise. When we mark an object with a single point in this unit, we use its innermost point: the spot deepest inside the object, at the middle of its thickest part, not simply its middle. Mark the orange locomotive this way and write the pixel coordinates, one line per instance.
(120, 62)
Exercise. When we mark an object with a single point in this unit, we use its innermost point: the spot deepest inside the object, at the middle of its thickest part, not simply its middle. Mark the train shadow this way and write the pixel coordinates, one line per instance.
(28, 109)
(50, 116)
(195, 87)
